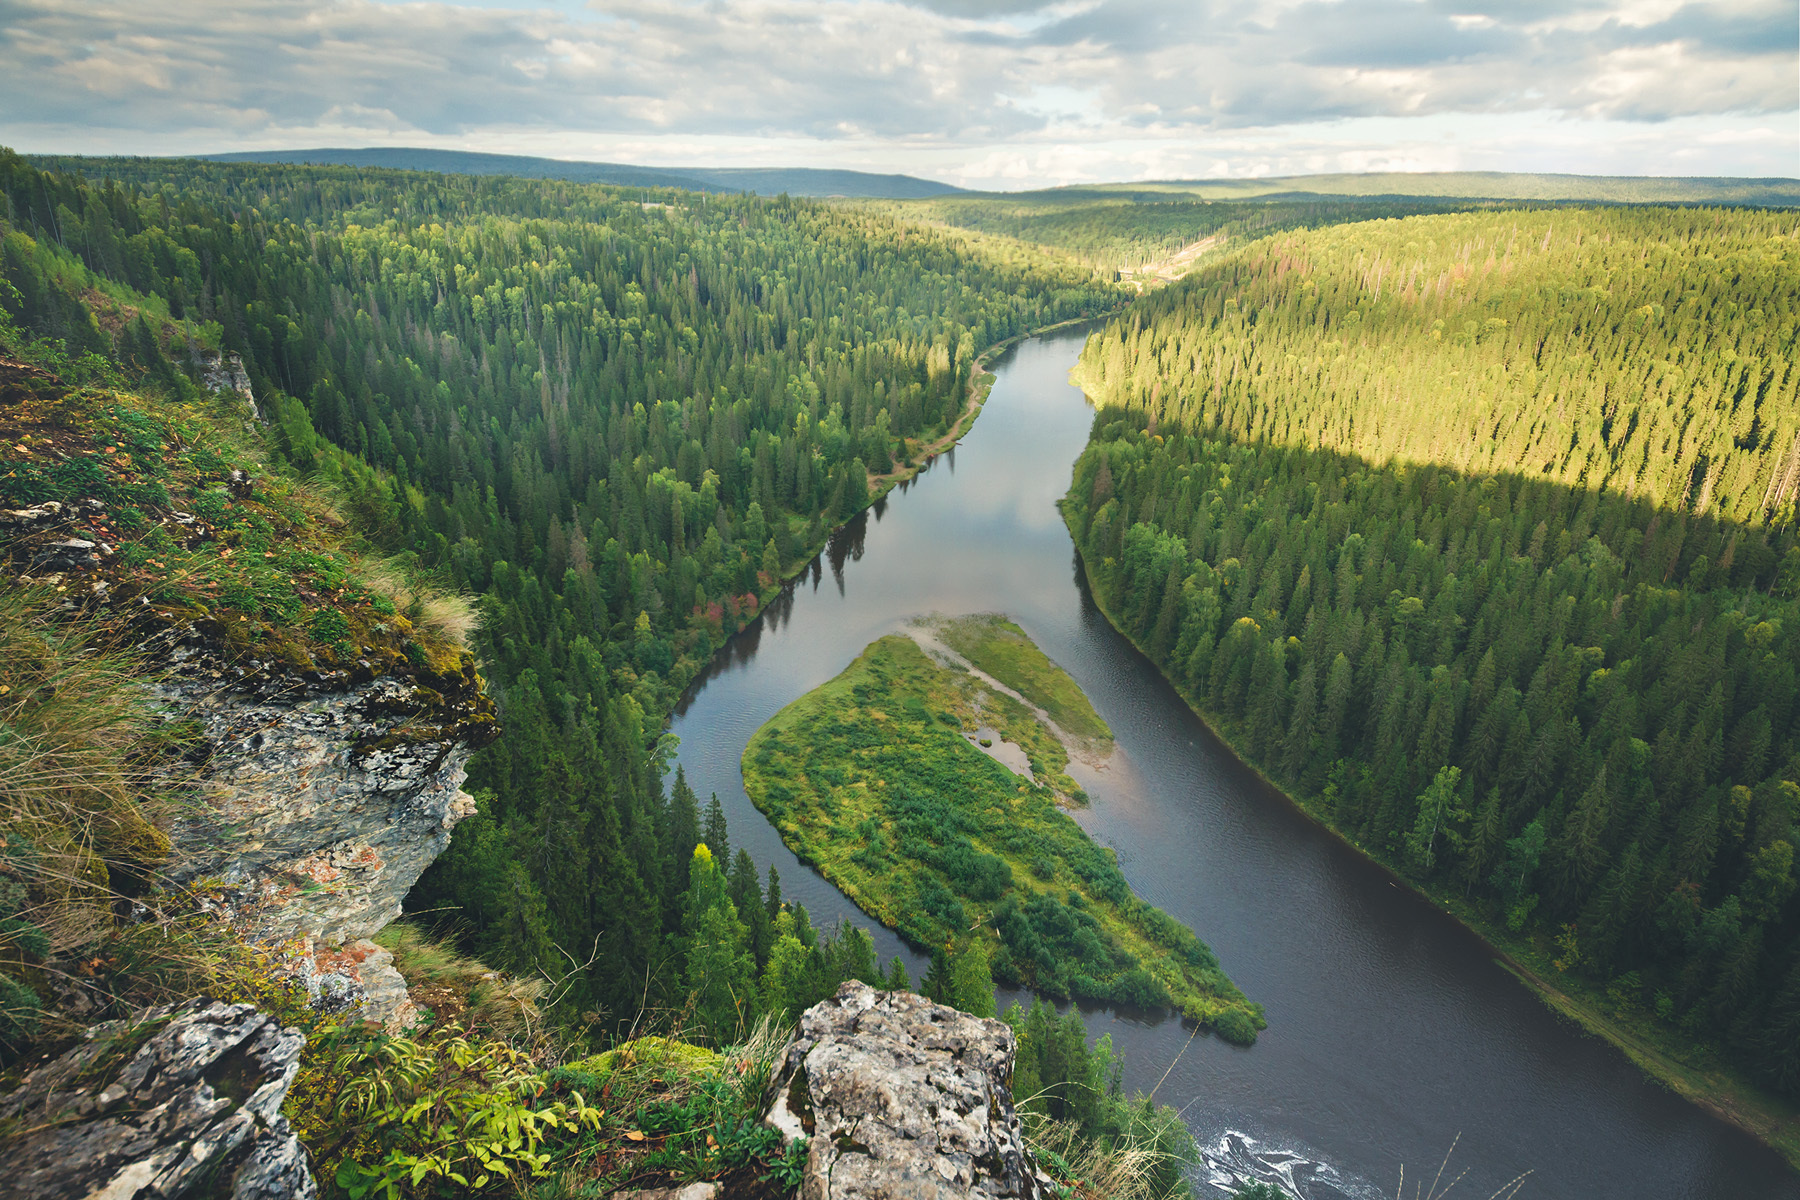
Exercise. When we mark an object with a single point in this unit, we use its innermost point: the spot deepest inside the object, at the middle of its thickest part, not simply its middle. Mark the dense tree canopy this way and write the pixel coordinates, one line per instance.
(619, 417)
(1644, 351)
(1487, 549)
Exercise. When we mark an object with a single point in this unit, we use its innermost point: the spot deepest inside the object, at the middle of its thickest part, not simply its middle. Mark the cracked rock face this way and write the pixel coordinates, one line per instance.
(904, 1100)
(320, 808)
(180, 1101)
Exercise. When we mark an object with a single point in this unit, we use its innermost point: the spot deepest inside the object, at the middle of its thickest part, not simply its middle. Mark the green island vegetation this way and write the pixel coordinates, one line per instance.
(1477, 533)
(993, 644)
(618, 422)
(871, 779)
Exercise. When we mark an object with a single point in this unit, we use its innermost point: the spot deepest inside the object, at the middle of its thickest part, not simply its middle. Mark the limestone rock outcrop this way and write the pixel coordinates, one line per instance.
(225, 373)
(321, 803)
(360, 976)
(179, 1101)
(904, 1099)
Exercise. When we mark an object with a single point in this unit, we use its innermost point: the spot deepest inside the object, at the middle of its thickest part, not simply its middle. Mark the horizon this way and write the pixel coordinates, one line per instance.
(229, 156)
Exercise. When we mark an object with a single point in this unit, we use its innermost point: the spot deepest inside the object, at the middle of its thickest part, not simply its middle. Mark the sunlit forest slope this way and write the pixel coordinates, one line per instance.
(1113, 231)
(1478, 533)
(1645, 351)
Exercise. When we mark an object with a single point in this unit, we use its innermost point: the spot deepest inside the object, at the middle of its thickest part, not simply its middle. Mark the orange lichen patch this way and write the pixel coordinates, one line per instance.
(344, 959)
(318, 869)
(329, 866)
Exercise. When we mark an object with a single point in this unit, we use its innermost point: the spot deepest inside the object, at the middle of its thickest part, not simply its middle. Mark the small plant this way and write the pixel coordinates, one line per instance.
(788, 1169)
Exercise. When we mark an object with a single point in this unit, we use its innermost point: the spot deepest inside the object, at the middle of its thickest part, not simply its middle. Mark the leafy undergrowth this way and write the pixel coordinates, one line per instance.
(870, 778)
(995, 645)
(455, 1110)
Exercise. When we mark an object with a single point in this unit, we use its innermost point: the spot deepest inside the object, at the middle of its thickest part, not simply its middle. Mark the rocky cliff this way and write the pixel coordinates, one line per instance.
(321, 802)
(324, 734)
(176, 1101)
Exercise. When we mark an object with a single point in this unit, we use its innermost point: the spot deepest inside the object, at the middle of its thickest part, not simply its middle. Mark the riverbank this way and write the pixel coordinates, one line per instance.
(981, 381)
(1690, 1071)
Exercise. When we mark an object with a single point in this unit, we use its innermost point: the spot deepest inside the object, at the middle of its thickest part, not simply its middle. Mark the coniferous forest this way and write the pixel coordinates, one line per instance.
(1473, 530)
(619, 418)
(1477, 533)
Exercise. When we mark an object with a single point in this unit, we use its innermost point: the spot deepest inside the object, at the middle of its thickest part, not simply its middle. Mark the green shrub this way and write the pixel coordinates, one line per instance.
(1234, 1026)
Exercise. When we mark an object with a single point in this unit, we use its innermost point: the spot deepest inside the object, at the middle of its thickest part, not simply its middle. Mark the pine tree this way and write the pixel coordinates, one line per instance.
(719, 974)
(971, 981)
(717, 839)
(937, 985)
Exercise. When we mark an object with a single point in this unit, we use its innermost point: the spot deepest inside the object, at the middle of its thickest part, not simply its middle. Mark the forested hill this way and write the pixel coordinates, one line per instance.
(619, 423)
(1115, 231)
(1646, 351)
(1477, 532)
(766, 181)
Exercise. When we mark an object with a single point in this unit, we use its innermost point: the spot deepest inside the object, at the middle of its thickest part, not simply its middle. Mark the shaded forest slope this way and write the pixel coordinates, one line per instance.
(1487, 551)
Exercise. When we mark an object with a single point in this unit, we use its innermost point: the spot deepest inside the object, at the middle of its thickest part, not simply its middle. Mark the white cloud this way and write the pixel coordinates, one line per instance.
(984, 91)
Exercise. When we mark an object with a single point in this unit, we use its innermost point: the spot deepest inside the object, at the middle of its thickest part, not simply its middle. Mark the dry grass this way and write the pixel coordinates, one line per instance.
(463, 990)
(86, 779)
(1122, 1170)
(1441, 1186)
(432, 609)
(80, 788)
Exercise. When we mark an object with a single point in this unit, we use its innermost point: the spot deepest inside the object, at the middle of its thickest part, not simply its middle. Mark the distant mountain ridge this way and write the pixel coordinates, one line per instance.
(1776, 192)
(765, 181)
(1484, 185)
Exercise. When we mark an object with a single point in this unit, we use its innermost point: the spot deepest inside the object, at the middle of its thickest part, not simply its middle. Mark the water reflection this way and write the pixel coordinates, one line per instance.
(1391, 1029)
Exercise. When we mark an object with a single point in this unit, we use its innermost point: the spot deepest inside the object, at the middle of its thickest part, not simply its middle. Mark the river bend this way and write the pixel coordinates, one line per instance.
(1392, 1031)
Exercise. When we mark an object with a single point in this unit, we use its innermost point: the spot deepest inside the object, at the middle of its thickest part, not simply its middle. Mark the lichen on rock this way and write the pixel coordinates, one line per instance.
(902, 1097)
(319, 807)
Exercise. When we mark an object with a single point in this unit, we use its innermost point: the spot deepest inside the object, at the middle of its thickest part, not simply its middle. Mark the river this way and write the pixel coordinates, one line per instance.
(1392, 1031)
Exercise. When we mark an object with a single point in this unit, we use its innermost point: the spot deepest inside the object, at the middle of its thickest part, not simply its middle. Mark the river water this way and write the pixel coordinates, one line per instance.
(1393, 1034)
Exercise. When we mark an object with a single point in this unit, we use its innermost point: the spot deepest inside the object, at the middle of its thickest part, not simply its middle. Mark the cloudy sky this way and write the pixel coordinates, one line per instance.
(983, 93)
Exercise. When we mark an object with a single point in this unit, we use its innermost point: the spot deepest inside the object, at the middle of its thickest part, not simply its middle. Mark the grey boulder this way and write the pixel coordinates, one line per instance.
(904, 1100)
(179, 1101)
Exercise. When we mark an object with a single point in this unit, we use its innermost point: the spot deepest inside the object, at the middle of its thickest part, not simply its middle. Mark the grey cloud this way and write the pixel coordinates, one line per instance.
(932, 71)
(982, 8)
(1772, 31)
(1389, 35)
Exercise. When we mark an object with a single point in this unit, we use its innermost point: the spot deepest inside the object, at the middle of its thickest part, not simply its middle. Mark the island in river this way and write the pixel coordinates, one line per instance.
(927, 786)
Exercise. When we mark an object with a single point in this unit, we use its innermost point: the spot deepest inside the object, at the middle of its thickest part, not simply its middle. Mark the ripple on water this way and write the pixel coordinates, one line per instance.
(1237, 1158)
